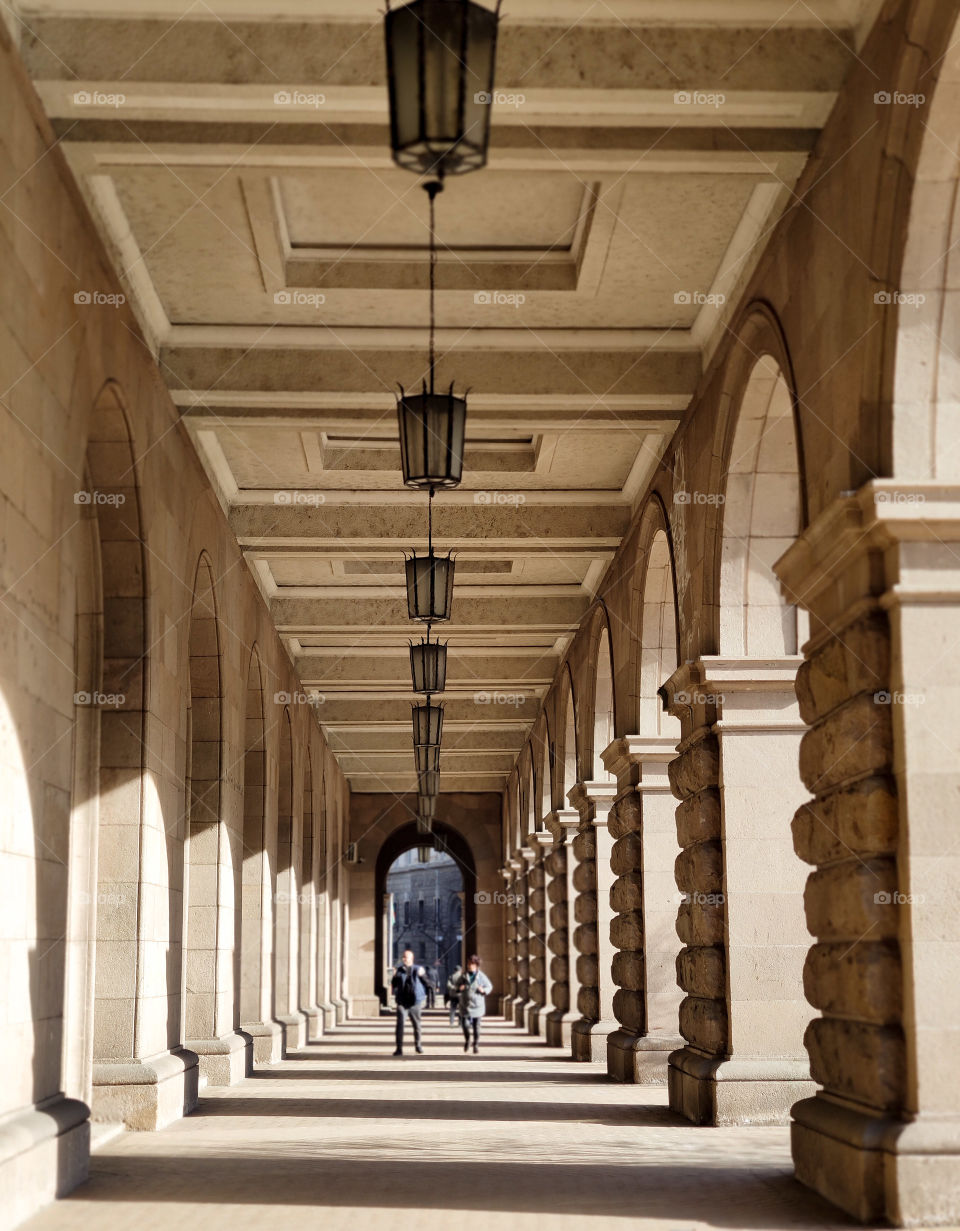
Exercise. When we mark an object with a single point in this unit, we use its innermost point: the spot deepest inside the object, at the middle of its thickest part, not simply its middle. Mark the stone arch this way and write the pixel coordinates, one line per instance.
(286, 913)
(570, 750)
(659, 639)
(208, 861)
(604, 703)
(404, 838)
(309, 893)
(254, 981)
(926, 367)
(119, 778)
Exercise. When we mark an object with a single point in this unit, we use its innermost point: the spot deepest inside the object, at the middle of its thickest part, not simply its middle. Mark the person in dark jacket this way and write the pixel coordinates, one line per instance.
(452, 993)
(409, 987)
(473, 987)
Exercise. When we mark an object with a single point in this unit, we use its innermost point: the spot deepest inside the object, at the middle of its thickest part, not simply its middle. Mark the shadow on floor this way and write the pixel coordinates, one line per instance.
(652, 1188)
(468, 1072)
(465, 1111)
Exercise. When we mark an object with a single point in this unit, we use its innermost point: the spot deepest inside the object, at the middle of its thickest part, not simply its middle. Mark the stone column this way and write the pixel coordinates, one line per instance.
(564, 825)
(515, 906)
(880, 691)
(592, 910)
(741, 917)
(540, 959)
(525, 941)
(510, 950)
(647, 1004)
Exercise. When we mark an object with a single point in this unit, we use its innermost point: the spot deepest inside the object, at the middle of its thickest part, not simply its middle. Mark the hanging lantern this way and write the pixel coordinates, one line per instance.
(433, 427)
(427, 807)
(427, 757)
(440, 65)
(429, 586)
(424, 825)
(423, 854)
(428, 782)
(428, 666)
(427, 724)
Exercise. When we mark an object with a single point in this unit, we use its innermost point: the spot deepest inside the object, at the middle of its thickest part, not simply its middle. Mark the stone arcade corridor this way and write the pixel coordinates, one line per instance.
(341, 1136)
(516, 441)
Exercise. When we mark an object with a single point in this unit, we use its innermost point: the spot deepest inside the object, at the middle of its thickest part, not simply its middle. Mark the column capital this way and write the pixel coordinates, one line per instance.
(723, 693)
(593, 799)
(544, 837)
(527, 854)
(626, 757)
(568, 820)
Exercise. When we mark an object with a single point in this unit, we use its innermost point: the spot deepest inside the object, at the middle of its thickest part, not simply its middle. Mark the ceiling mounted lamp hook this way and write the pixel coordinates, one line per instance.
(432, 188)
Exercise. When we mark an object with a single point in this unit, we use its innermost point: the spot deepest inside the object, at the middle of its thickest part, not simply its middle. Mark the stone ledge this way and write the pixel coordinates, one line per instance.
(147, 1094)
(44, 1154)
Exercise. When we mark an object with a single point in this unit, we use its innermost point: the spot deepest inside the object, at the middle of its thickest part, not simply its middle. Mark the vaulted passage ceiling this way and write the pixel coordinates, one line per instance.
(236, 160)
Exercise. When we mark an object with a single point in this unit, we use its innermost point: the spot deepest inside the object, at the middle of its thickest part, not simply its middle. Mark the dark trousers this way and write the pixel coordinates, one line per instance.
(474, 1023)
(414, 1014)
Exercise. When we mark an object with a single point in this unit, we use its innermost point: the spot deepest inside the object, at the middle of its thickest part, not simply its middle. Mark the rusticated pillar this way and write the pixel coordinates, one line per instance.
(744, 1014)
(537, 921)
(644, 895)
(592, 910)
(521, 891)
(879, 572)
(564, 824)
(546, 842)
(510, 946)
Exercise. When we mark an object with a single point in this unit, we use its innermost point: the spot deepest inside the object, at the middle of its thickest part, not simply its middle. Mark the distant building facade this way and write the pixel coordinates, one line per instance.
(427, 912)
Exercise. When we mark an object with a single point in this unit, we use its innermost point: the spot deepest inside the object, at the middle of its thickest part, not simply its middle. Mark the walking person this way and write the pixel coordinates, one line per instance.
(409, 987)
(452, 993)
(473, 988)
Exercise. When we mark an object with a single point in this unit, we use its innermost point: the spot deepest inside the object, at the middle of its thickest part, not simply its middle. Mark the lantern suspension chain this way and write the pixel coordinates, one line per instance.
(432, 188)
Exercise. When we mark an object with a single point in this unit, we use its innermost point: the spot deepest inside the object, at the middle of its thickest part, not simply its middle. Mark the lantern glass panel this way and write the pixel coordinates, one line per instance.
(430, 586)
(423, 853)
(427, 806)
(428, 782)
(427, 757)
(440, 62)
(427, 724)
(428, 666)
(432, 433)
(424, 825)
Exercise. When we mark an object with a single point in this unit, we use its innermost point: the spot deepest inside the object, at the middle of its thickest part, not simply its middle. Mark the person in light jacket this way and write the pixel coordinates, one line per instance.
(473, 988)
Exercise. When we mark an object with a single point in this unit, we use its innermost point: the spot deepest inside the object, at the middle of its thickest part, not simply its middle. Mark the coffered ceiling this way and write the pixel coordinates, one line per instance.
(235, 157)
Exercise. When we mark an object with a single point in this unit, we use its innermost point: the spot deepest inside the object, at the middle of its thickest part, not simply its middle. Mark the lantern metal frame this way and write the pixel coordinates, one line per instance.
(436, 130)
(428, 665)
(427, 724)
(426, 758)
(433, 429)
(429, 578)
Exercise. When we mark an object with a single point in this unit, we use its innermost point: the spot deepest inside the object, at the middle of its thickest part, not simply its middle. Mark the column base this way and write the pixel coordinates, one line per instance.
(559, 1028)
(588, 1040)
(340, 1011)
(314, 1015)
(329, 1011)
(533, 1018)
(294, 1030)
(146, 1094)
(742, 1090)
(640, 1059)
(364, 1006)
(878, 1168)
(224, 1062)
(267, 1041)
(520, 1012)
(44, 1154)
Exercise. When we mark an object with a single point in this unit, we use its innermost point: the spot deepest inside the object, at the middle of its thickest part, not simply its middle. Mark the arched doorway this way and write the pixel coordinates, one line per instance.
(447, 842)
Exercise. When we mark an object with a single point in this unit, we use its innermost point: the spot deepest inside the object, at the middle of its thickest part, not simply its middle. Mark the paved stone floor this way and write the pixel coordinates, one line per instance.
(341, 1135)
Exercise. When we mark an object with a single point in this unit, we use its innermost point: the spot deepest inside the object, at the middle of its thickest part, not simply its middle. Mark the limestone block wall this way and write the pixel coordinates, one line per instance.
(106, 514)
